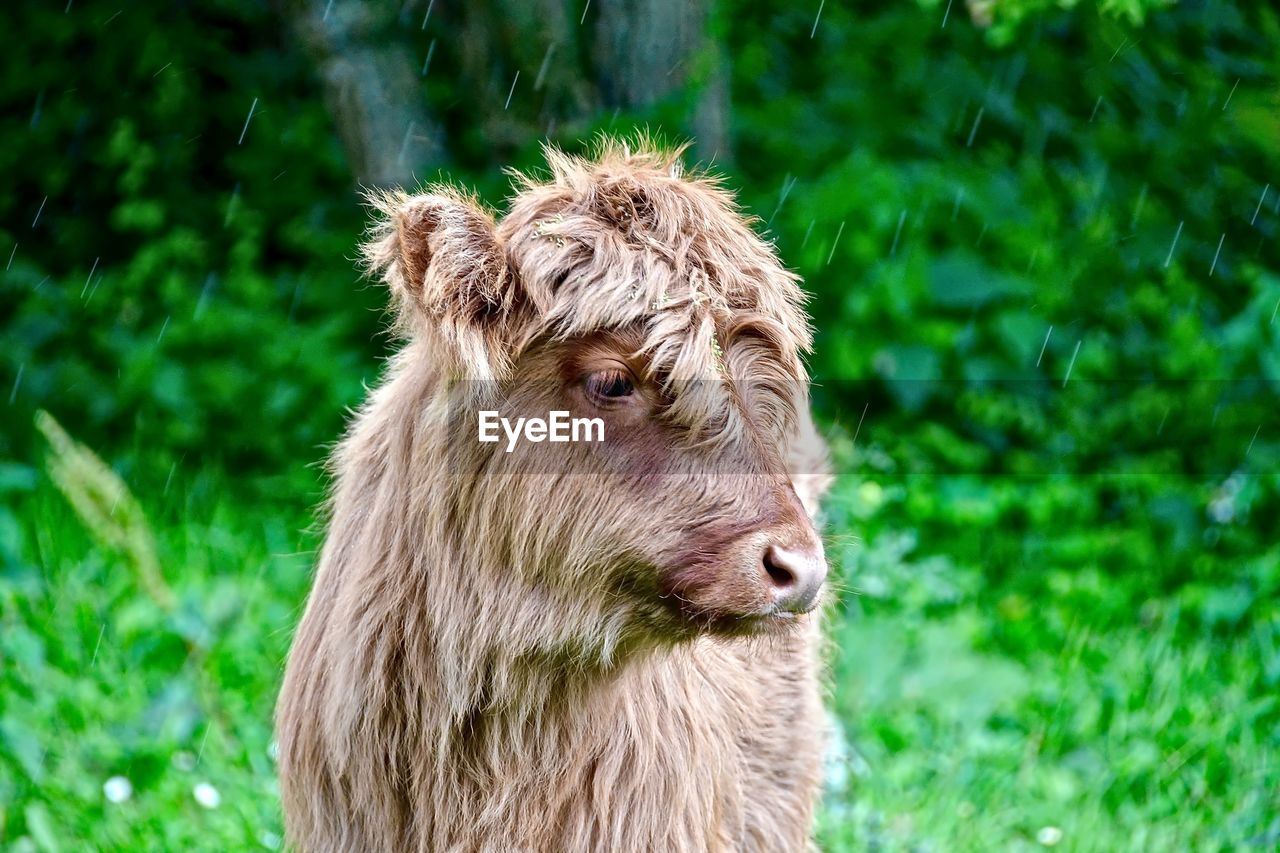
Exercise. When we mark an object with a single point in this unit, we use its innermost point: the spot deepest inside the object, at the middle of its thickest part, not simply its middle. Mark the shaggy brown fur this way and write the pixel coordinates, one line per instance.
(570, 646)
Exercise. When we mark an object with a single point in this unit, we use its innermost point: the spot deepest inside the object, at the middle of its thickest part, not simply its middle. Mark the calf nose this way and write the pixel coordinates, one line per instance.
(795, 575)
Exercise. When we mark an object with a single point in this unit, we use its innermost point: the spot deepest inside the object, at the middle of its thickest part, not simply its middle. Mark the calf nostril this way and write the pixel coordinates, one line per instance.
(795, 576)
(782, 575)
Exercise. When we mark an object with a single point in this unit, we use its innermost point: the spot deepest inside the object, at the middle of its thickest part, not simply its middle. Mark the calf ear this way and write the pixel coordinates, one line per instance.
(450, 281)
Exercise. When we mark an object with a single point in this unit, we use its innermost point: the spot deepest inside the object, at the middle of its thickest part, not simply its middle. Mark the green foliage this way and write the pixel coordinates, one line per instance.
(166, 278)
(101, 680)
(1005, 20)
(1010, 665)
(1056, 547)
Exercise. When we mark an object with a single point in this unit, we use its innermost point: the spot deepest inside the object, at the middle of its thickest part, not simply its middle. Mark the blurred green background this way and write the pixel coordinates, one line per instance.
(1041, 239)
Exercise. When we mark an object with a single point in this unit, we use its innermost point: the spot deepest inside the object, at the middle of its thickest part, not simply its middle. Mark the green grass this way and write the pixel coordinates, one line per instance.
(100, 680)
(976, 707)
(1000, 690)
(1125, 737)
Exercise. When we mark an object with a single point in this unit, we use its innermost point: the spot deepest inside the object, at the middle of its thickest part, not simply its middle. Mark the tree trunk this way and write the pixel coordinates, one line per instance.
(711, 112)
(496, 40)
(524, 69)
(647, 49)
(370, 88)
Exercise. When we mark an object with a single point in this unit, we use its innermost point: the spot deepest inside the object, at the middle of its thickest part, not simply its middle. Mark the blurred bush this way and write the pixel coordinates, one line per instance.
(1048, 265)
(178, 282)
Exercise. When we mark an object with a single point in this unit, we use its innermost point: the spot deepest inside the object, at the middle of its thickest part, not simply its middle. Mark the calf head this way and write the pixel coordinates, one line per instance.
(620, 289)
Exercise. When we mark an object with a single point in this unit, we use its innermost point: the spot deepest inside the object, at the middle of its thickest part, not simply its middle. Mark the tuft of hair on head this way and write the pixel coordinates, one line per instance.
(451, 285)
(640, 147)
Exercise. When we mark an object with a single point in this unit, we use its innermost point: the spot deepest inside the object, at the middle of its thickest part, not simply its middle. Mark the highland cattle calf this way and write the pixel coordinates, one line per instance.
(570, 645)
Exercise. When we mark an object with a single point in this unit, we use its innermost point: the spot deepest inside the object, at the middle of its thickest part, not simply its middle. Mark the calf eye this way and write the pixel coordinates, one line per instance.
(609, 385)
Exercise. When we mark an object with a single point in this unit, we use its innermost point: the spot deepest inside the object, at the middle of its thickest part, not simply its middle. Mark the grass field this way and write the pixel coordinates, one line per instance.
(1044, 705)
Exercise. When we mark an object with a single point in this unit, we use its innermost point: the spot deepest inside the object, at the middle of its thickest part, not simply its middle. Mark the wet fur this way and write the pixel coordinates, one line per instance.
(485, 663)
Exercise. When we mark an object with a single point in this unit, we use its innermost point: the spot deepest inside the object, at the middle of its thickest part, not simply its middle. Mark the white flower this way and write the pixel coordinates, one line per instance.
(117, 789)
(1049, 835)
(206, 795)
